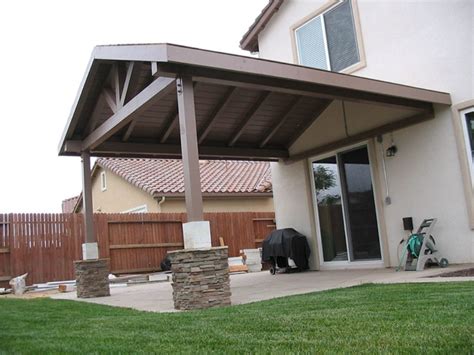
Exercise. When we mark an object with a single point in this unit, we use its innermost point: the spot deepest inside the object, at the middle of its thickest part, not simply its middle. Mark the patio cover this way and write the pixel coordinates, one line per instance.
(245, 108)
(230, 107)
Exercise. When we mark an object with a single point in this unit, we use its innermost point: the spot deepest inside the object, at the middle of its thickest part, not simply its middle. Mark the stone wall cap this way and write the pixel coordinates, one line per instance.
(197, 250)
(91, 261)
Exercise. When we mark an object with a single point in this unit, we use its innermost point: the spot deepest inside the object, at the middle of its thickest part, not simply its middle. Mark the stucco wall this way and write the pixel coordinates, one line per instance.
(420, 43)
(121, 196)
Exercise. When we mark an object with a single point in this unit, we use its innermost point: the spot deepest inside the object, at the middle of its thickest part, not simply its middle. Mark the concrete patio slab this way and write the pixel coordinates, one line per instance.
(253, 287)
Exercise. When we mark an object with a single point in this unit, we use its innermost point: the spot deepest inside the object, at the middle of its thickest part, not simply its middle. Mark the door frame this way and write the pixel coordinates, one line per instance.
(344, 264)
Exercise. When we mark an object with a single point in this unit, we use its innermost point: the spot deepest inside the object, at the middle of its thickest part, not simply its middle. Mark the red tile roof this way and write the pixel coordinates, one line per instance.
(165, 176)
(68, 204)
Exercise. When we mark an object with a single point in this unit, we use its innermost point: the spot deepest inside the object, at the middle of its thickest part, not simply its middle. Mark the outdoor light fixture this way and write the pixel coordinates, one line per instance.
(391, 151)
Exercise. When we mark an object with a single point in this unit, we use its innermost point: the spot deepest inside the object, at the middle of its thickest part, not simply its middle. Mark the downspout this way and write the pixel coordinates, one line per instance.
(160, 202)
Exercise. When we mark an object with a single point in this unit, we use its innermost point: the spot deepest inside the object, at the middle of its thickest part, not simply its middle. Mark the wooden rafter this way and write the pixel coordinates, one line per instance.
(171, 121)
(280, 121)
(170, 124)
(216, 113)
(316, 113)
(248, 116)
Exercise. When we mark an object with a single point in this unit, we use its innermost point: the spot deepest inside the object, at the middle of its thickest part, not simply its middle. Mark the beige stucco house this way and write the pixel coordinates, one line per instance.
(355, 220)
(365, 108)
(156, 185)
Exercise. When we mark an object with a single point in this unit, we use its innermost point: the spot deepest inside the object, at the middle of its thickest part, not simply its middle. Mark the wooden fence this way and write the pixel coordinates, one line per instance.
(45, 245)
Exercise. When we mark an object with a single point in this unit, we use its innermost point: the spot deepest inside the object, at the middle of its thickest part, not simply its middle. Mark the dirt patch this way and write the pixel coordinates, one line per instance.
(28, 295)
(459, 273)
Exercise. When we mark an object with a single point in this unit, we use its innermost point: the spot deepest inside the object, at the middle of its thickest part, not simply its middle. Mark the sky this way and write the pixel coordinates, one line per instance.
(45, 48)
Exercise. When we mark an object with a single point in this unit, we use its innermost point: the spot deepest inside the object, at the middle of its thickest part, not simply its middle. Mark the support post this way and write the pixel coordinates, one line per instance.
(196, 232)
(92, 273)
(90, 249)
(189, 149)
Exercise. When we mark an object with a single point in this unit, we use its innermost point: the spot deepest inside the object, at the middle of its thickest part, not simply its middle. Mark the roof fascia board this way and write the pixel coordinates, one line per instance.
(216, 195)
(79, 101)
(261, 67)
(132, 52)
(249, 40)
(129, 149)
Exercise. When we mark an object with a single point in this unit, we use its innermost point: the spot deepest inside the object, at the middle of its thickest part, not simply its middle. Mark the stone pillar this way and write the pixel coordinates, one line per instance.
(200, 278)
(92, 278)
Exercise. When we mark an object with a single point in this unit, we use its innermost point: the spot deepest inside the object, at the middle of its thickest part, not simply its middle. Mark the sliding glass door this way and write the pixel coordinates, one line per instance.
(346, 206)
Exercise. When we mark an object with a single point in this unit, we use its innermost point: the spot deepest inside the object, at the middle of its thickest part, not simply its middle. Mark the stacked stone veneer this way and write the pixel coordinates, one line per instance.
(92, 278)
(200, 278)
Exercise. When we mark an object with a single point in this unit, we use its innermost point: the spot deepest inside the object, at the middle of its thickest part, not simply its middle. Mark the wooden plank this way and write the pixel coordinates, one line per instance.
(248, 117)
(263, 219)
(217, 112)
(5, 278)
(238, 268)
(144, 221)
(138, 270)
(140, 246)
(4, 250)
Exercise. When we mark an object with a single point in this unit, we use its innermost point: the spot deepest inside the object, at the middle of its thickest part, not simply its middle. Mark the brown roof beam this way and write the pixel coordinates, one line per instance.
(305, 125)
(280, 121)
(248, 116)
(94, 117)
(387, 128)
(126, 84)
(158, 88)
(216, 113)
(172, 121)
(129, 149)
(110, 99)
(170, 124)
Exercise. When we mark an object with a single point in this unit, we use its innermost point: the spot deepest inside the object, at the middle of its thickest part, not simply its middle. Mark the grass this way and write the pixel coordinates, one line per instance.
(403, 318)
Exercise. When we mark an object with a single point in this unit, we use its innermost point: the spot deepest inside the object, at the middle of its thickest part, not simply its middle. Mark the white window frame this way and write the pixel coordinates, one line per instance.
(342, 264)
(329, 5)
(467, 141)
(138, 209)
(103, 181)
(325, 41)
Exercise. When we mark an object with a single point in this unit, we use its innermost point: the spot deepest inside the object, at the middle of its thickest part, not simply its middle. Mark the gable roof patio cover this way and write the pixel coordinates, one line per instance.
(244, 108)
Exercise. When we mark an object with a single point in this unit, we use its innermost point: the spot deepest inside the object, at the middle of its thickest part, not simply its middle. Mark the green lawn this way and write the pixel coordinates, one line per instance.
(405, 318)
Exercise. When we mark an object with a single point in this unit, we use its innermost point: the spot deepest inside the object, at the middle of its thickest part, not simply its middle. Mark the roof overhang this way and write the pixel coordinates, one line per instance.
(249, 41)
(246, 108)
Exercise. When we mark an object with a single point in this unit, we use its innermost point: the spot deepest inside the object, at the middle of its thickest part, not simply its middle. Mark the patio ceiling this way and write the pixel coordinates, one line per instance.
(245, 108)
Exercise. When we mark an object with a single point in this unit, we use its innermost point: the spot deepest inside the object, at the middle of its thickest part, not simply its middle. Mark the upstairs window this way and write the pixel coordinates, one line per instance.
(329, 40)
(103, 181)
(469, 116)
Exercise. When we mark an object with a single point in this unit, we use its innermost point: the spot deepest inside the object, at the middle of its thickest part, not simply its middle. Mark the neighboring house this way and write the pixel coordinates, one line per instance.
(68, 205)
(426, 44)
(157, 185)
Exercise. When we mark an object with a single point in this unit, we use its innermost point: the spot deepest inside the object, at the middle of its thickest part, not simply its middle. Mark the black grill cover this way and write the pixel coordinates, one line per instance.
(286, 243)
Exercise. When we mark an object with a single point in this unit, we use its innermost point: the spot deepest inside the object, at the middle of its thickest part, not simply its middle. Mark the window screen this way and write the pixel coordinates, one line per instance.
(329, 41)
(311, 46)
(470, 130)
(341, 37)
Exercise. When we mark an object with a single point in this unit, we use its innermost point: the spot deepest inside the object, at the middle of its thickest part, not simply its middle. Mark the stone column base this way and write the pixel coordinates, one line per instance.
(92, 278)
(200, 278)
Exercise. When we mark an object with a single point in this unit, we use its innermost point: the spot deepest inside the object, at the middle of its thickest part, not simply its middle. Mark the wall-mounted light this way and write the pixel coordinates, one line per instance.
(391, 151)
